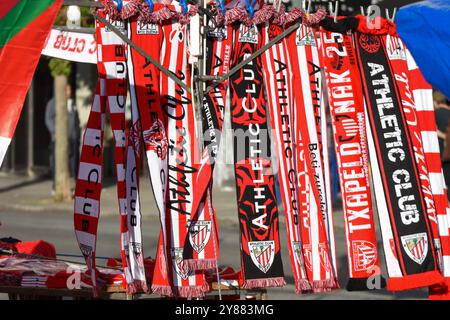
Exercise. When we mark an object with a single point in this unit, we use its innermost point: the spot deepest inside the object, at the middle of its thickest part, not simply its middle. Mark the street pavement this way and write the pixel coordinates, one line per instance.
(28, 212)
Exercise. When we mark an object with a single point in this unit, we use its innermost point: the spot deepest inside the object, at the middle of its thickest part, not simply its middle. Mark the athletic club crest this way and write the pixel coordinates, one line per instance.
(178, 263)
(305, 37)
(395, 48)
(297, 248)
(308, 256)
(248, 34)
(116, 23)
(146, 28)
(199, 234)
(156, 140)
(216, 32)
(364, 255)
(416, 246)
(262, 254)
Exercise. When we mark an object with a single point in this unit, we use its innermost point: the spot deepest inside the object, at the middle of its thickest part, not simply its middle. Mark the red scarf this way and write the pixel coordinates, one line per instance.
(278, 82)
(316, 223)
(172, 276)
(110, 93)
(346, 102)
(423, 97)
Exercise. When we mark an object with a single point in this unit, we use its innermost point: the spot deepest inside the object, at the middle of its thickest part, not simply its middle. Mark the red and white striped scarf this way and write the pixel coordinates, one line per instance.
(177, 279)
(407, 237)
(346, 103)
(316, 224)
(423, 98)
(111, 93)
(278, 82)
(396, 53)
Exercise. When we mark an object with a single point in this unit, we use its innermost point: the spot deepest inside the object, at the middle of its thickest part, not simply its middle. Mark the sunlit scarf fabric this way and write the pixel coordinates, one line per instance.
(316, 222)
(346, 104)
(256, 200)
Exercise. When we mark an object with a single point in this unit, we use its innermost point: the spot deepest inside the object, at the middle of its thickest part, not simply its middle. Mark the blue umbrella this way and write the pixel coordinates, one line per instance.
(425, 28)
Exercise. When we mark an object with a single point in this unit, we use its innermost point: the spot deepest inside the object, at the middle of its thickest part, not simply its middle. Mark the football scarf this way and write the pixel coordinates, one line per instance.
(202, 251)
(148, 124)
(110, 92)
(256, 200)
(172, 276)
(396, 53)
(346, 103)
(315, 234)
(406, 230)
(278, 84)
(423, 97)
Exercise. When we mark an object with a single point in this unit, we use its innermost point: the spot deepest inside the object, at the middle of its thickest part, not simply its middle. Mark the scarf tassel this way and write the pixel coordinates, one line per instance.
(162, 290)
(324, 285)
(263, 283)
(302, 286)
(200, 264)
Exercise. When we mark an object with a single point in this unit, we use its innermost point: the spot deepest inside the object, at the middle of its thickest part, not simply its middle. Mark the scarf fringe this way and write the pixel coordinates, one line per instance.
(415, 281)
(192, 291)
(263, 283)
(302, 286)
(162, 290)
(324, 285)
(200, 264)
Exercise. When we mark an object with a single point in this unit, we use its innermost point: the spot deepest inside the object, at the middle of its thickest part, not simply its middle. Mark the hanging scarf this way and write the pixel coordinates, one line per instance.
(409, 251)
(278, 83)
(423, 97)
(176, 279)
(256, 200)
(201, 251)
(316, 224)
(348, 121)
(110, 92)
(396, 53)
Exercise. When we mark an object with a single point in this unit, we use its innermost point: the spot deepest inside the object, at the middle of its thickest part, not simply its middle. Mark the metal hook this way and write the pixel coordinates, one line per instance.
(119, 4)
(150, 5)
(391, 18)
(334, 11)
